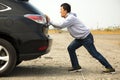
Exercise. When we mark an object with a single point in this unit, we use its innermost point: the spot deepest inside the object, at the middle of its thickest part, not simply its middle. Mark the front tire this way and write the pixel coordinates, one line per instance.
(7, 57)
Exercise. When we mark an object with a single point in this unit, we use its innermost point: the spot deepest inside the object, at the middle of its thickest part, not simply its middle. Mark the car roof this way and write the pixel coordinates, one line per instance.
(17, 7)
(22, 0)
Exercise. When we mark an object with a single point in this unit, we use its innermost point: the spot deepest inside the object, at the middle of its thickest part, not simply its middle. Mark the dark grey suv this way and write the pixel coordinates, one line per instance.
(23, 34)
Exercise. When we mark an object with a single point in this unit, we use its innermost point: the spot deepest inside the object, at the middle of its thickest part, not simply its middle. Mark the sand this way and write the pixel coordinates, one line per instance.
(54, 65)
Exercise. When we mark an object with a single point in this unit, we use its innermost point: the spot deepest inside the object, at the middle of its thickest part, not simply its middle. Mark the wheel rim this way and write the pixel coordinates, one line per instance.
(4, 57)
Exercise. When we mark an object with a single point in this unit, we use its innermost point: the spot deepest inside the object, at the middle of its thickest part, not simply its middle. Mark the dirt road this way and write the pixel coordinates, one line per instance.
(54, 66)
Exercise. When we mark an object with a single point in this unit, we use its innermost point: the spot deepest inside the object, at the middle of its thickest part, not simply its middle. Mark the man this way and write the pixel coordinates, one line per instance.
(82, 36)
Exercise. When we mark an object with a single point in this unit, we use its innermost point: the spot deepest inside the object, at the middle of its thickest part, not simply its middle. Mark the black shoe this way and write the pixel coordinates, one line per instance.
(109, 70)
(75, 69)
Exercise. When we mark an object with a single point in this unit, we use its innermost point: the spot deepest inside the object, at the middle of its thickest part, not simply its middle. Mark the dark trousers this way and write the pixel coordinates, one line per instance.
(88, 43)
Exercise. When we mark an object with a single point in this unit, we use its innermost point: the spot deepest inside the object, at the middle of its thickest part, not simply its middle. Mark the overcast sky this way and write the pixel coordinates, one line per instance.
(93, 13)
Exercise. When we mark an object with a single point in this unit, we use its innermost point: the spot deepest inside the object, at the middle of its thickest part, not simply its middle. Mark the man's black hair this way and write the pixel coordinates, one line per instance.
(66, 6)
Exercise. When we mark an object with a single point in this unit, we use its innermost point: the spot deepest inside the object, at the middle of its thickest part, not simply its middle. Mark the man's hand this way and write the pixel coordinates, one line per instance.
(47, 18)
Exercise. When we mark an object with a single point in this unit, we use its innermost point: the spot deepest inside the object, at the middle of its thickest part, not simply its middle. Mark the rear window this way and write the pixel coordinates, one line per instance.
(4, 7)
(33, 8)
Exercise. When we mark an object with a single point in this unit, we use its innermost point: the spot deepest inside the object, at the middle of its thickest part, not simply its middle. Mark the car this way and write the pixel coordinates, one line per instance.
(23, 34)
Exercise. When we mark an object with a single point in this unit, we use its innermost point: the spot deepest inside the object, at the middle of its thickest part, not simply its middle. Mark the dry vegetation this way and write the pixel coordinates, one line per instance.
(105, 31)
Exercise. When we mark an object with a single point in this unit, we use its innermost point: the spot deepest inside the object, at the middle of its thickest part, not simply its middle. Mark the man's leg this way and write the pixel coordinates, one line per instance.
(92, 50)
(89, 45)
(71, 49)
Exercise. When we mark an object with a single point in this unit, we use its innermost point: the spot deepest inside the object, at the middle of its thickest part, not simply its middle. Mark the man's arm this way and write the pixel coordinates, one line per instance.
(66, 23)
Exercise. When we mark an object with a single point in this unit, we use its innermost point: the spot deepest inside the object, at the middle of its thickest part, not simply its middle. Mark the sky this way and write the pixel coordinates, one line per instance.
(93, 13)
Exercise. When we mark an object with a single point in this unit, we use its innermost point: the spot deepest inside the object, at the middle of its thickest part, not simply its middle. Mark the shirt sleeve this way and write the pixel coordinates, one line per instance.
(66, 23)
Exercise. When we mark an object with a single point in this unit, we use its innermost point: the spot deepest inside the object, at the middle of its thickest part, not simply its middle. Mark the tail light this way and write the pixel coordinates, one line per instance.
(37, 18)
(42, 48)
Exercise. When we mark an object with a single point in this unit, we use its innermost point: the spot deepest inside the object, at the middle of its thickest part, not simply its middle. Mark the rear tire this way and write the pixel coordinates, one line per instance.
(18, 62)
(7, 57)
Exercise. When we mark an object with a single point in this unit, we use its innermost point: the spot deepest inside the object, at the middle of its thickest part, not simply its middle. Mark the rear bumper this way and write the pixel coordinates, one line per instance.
(30, 50)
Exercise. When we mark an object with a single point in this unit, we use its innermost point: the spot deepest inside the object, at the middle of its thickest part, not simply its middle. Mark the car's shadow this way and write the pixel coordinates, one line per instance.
(39, 71)
(47, 70)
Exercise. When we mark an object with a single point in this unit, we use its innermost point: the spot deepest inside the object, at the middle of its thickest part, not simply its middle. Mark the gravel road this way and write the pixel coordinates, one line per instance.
(54, 65)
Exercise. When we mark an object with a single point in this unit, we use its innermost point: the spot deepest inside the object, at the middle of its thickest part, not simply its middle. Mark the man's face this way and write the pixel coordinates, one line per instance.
(63, 12)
